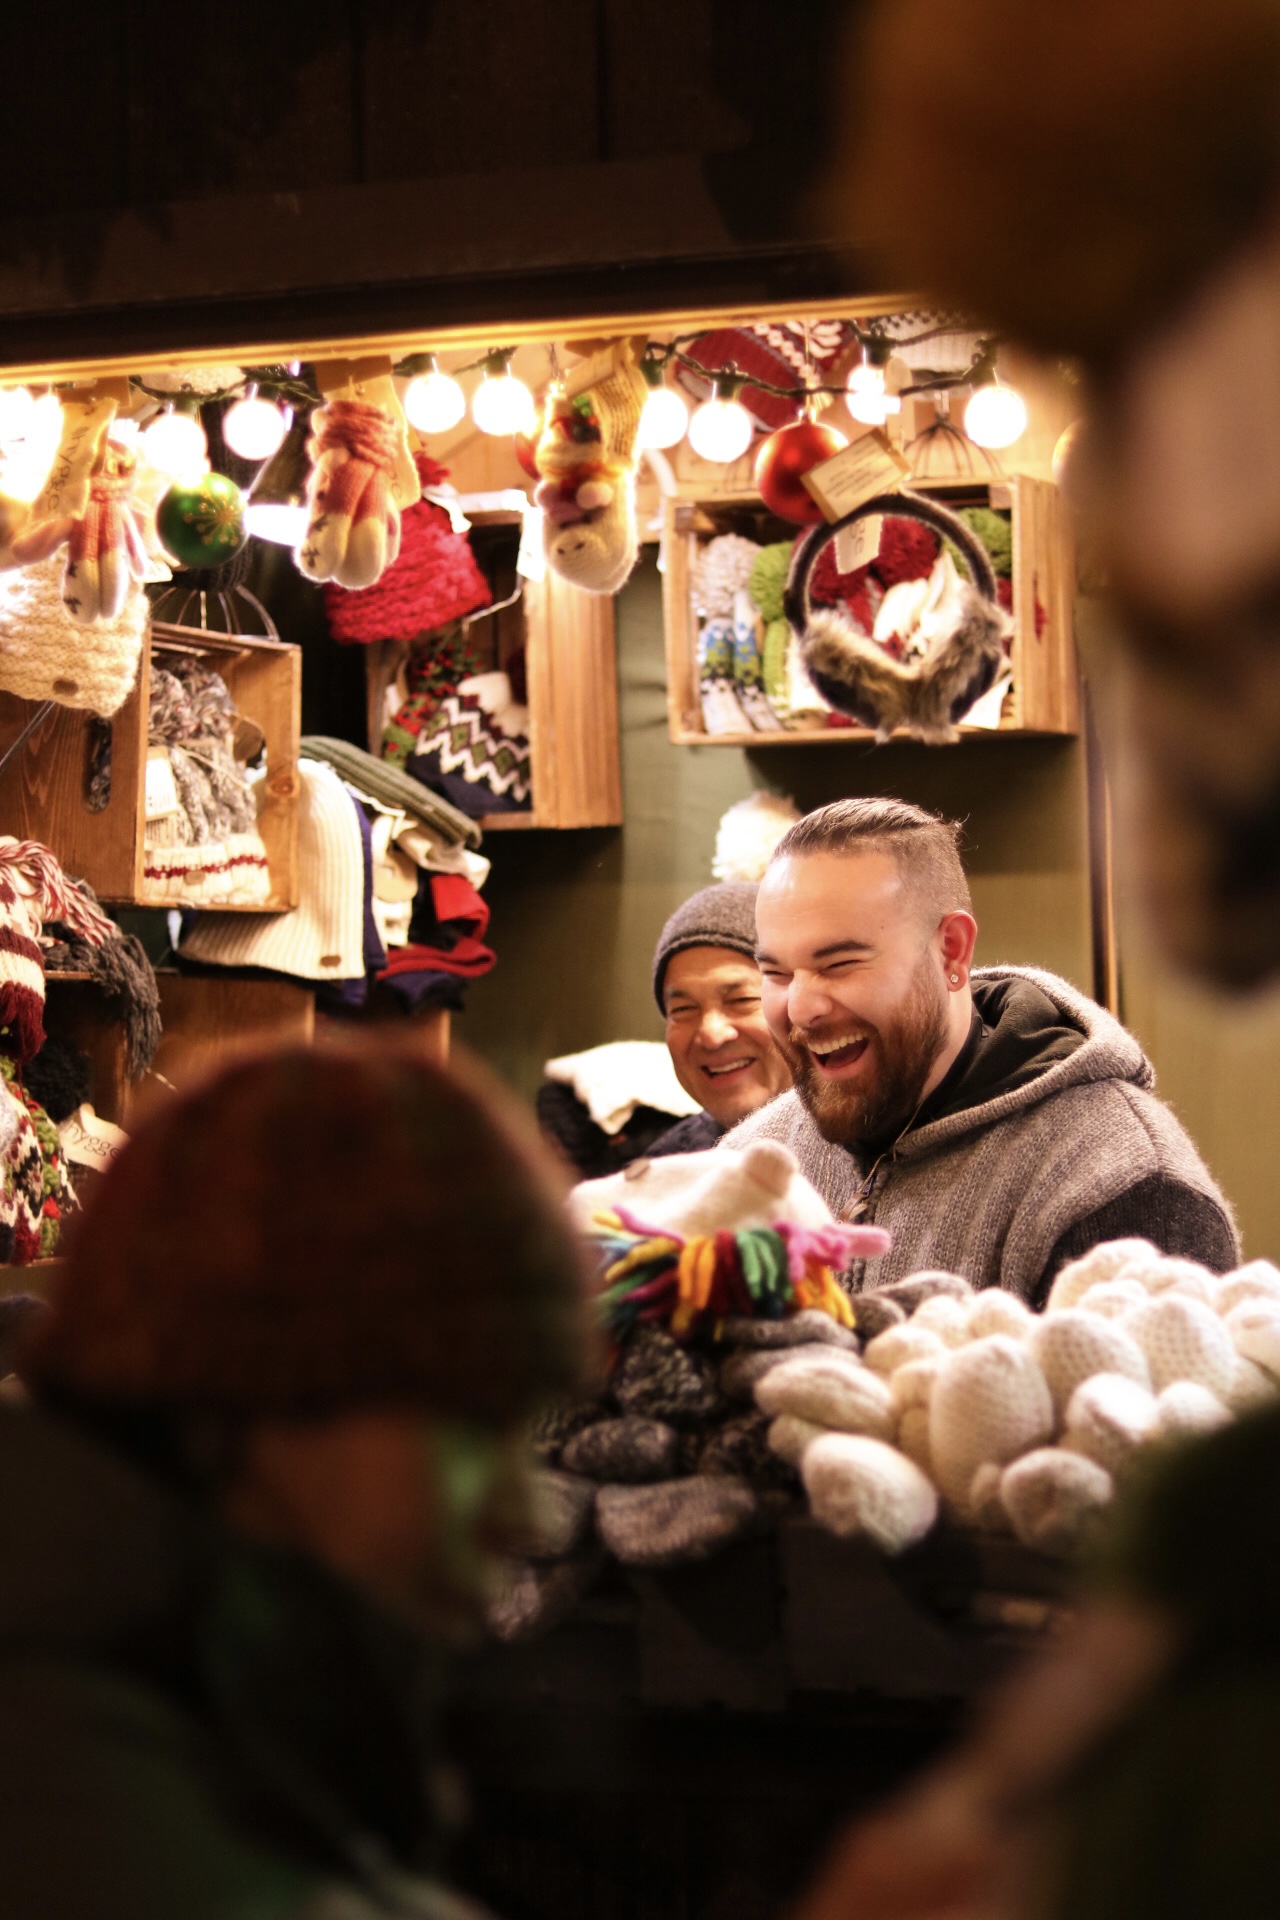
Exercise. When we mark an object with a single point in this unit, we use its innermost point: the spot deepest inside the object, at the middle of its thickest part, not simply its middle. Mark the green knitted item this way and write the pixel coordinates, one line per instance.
(434, 670)
(56, 1193)
(768, 579)
(996, 535)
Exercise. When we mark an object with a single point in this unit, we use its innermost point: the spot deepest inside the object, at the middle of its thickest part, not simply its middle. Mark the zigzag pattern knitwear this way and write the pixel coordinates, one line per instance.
(34, 889)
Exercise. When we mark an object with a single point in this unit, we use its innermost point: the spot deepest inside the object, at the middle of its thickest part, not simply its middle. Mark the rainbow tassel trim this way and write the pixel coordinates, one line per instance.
(652, 1277)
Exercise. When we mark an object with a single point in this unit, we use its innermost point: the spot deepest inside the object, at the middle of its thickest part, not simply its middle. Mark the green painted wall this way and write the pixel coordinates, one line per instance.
(576, 915)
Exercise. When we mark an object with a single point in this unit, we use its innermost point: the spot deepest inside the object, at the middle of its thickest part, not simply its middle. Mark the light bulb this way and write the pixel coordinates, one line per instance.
(254, 428)
(28, 443)
(996, 416)
(174, 443)
(664, 419)
(284, 525)
(867, 398)
(434, 401)
(501, 404)
(16, 408)
(721, 427)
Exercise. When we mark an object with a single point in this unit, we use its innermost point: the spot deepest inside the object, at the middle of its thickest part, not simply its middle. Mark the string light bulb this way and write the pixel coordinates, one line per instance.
(501, 404)
(867, 395)
(664, 418)
(30, 430)
(174, 444)
(996, 415)
(721, 428)
(16, 407)
(254, 428)
(433, 401)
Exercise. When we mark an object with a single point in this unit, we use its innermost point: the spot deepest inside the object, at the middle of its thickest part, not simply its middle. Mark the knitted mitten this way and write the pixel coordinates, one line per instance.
(790, 1436)
(1073, 1345)
(1186, 1410)
(832, 1389)
(916, 1287)
(990, 1402)
(353, 530)
(105, 554)
(1105, 1262)
(912, 1385)
(913, 1438)
(1187, 1277)
(628, 1449)
(1108, 1418)
(945, 1316)
(860, 1485)
(1183, 1340)
(586, 462)
(995, 1311)
(1054, 1499)
(1254, 1326)
(897, 1345)
(673, 1520)
(1259, 1279)
(1251, 1386)
(1113, 1298)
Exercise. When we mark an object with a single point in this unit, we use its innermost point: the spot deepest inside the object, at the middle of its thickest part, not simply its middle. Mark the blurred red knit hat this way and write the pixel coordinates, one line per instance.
(321, 1228)
(435, 578)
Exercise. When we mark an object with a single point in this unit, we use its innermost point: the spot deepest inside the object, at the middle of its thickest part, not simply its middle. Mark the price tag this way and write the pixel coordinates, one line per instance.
(86, 414)
(87, 1140)
(858, 545)
(161, 787)
(858, 472)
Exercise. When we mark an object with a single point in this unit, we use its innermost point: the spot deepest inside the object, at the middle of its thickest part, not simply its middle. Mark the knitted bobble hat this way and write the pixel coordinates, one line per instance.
(33, 890)
(720, 916)
(320, 1229)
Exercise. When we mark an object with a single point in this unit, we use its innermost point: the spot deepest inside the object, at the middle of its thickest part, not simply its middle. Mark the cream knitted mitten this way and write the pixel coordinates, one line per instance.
(990, 1402)
(1183, 1340)
(1074, 1345)
(1053, 1498)
(859, 1485)
(1186, 1410)
(830, 1388)
(1108, 1418)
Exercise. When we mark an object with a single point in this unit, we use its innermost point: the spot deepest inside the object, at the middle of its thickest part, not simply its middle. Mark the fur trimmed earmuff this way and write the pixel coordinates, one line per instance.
(961, 623)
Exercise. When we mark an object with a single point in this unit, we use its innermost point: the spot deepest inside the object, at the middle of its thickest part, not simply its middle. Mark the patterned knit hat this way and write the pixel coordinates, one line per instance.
(33, 889)
(322, 938)
(723, 916)
(318, 1229)
(35, 1191)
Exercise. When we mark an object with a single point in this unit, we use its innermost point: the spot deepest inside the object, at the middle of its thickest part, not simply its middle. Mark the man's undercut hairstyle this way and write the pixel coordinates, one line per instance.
(926, 846)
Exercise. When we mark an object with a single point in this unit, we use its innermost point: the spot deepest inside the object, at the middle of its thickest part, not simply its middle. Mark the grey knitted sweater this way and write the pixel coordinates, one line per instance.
(1004, 1190)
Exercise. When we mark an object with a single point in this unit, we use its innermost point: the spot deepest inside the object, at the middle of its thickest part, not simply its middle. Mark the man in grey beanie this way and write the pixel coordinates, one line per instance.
(707, 986)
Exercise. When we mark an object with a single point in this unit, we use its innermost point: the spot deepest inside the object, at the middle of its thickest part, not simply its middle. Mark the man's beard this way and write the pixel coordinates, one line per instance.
(882, 1102)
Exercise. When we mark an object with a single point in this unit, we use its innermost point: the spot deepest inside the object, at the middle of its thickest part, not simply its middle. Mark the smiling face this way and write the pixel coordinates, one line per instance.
(720, 1046)
(864, 989)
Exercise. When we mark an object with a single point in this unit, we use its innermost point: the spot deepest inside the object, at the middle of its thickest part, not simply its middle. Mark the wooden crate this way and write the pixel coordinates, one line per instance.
(43, 787)
(1045, 698)
(572, 677)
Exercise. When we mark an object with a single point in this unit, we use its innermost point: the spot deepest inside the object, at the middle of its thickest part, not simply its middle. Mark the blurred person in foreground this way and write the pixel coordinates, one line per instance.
(271, 1452)
(1132, 1772)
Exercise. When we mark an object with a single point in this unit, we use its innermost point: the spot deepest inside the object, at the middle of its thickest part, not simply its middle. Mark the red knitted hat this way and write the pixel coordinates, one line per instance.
(323, 1228)
(776, 351)
(434, 580)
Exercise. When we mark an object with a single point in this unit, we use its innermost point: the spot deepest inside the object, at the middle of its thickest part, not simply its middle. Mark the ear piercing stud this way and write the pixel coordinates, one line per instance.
(955, 979)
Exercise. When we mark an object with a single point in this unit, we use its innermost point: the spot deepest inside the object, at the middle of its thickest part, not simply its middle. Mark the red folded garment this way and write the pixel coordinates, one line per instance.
(454, 898)
(469, 958)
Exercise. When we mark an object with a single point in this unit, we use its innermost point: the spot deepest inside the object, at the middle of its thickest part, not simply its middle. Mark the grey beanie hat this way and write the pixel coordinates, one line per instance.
(723, 916)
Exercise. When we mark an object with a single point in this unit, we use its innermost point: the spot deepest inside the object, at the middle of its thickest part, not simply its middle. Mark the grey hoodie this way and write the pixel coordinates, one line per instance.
(1031, 1175)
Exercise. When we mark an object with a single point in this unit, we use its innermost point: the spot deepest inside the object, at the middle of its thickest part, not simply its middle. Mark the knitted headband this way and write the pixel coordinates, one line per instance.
(319, 1229)
(723, 916)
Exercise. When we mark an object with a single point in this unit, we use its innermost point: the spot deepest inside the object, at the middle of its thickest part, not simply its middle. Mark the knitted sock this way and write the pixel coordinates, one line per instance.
(748, 668)
(674, 1520)
(832, 1390)
(860, 1485)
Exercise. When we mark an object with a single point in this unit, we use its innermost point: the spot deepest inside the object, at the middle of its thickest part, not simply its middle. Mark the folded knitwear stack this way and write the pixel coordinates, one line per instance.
(201, 839)
(363, 858)
(474, 748)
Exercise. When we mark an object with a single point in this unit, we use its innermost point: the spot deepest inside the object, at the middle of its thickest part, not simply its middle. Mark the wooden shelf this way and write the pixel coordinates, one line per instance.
(42, 789)
(1045, 699)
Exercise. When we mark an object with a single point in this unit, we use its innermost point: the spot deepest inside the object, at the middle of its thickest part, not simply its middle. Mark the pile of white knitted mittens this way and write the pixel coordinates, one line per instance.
(1015, 1421)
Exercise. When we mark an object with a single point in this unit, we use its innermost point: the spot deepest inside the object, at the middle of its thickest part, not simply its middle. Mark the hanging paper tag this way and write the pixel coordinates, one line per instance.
(370, 380)
(86, 415)
(857, 545)
(858, 472)
(87, 1140)
(161, 787)
(531, 561)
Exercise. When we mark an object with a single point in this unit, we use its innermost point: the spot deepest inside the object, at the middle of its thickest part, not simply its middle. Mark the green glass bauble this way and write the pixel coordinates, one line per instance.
(201, 522)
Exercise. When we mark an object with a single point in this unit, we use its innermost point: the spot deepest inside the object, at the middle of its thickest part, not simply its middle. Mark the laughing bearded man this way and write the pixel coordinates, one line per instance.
(996, 1121)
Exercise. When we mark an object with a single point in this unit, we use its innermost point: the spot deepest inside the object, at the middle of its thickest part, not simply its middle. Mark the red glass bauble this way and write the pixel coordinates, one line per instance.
(783, 458)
